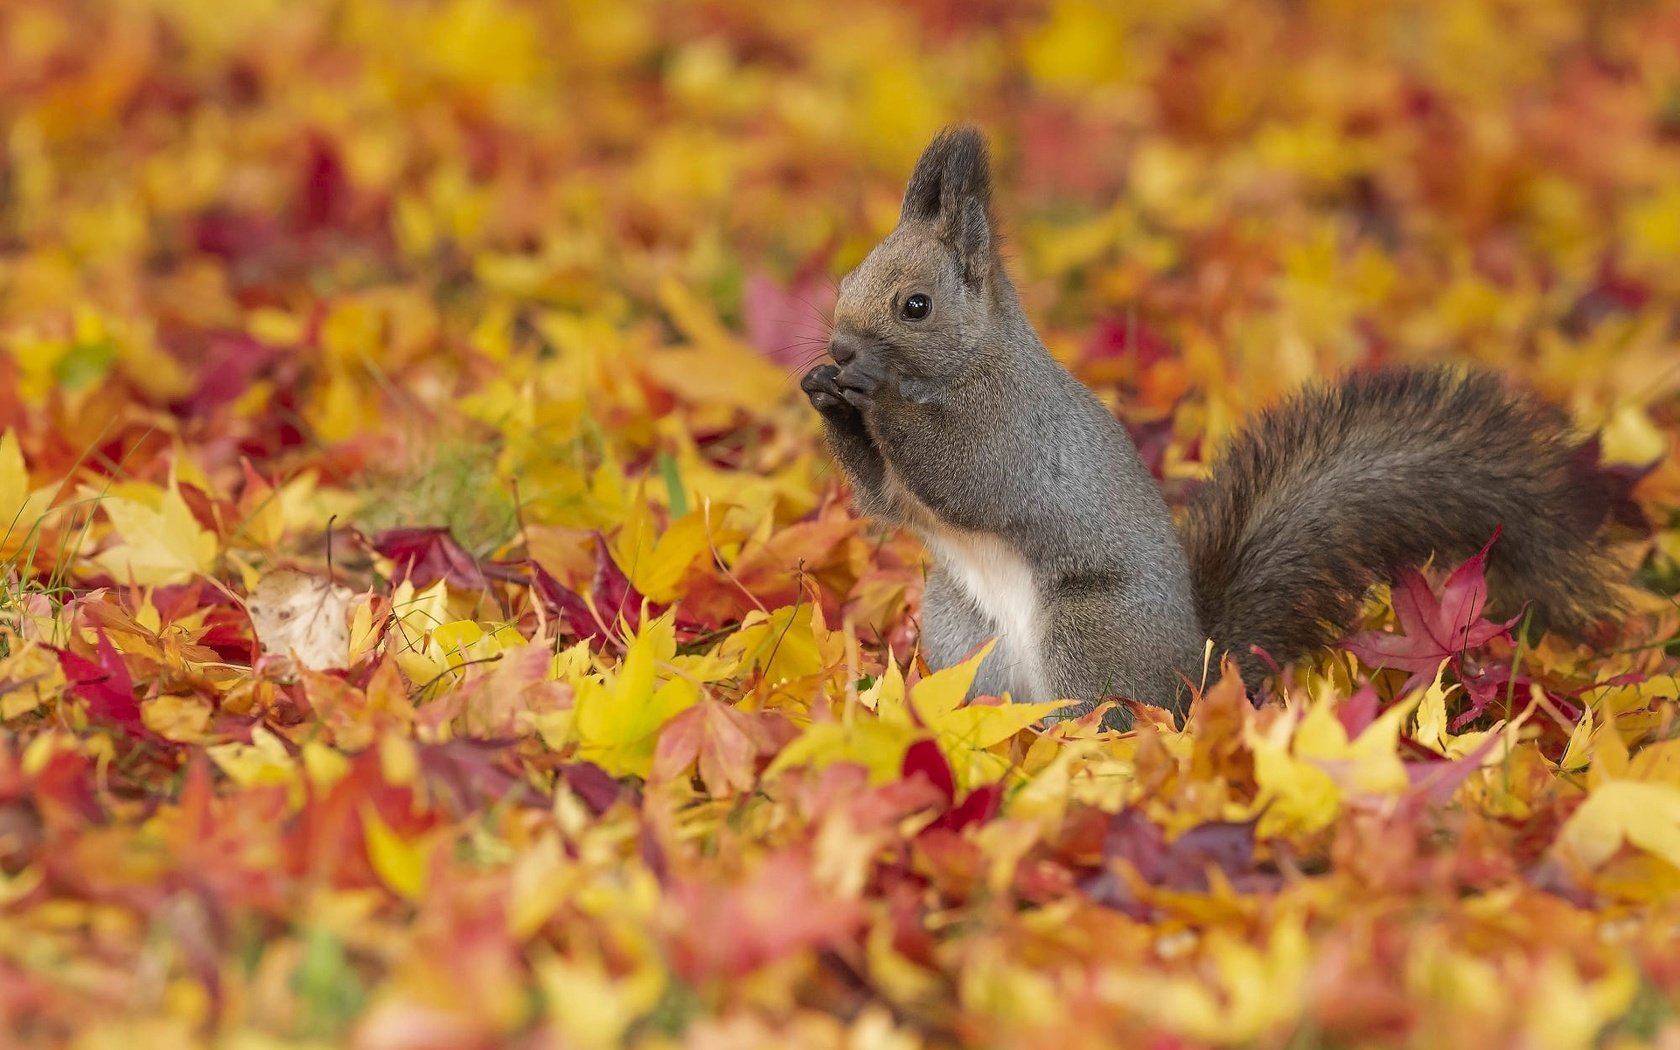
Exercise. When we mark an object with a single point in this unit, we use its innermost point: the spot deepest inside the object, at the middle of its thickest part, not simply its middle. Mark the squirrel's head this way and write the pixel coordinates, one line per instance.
(926, 297)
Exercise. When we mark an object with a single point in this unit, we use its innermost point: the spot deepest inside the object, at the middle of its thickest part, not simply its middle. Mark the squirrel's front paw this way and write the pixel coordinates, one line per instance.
(860, 379)
(822, 385)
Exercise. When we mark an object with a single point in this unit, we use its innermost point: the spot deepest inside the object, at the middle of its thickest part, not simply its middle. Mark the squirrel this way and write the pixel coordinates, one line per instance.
(1048, 533)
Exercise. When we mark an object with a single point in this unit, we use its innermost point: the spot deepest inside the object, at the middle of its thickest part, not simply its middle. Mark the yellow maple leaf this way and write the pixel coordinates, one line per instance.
(886, 695)
(790, 488)
(1609, 757)
(183, 719)
(1635, 709)
(1657, 763)
(783, 644)
(263, 761)
(402, 864)
(1432, 730)
(873, 743)
(415, 615)
(346, 406)
(20, 509)
(457, 643)
(657, 562)
(324, 765)
(1629, 436)
(161, 544)
(34, 674)
(714, 368)
(895, 973)
(620, 713)
(1244, 992)
(1571, 1005)
(965, 730)
(1305, 765)
(1297, 796)
(1640, 813)
(593, 1004)
(935, 705)
(1577, 753)
(271, 512)
(1634, 800)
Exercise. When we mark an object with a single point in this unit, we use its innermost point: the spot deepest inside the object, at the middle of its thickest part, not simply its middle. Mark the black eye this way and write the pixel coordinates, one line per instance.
(917, 306)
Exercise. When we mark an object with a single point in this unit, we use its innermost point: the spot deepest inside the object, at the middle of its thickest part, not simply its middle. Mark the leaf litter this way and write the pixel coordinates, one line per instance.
(428, 617)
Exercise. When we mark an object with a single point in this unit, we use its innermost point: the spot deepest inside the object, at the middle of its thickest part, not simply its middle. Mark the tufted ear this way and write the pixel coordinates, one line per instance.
(951, 189)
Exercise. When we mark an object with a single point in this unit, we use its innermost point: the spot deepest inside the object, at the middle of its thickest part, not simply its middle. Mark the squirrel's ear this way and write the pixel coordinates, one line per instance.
(952, 189)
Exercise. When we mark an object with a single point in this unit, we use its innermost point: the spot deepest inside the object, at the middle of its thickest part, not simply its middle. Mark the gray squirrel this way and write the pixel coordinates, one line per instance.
(1048, 533)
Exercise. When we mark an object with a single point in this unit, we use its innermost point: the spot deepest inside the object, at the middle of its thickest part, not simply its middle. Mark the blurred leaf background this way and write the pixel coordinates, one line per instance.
(494, 311)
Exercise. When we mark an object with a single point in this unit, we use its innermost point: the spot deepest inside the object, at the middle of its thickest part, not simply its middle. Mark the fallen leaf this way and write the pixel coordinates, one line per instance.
(302, 616)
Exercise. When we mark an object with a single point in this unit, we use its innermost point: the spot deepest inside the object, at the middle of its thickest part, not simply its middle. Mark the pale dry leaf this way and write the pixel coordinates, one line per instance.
(302, 616)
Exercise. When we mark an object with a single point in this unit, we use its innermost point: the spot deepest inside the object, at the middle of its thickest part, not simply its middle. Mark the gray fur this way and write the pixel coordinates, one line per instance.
(965, 415)
(962, 424)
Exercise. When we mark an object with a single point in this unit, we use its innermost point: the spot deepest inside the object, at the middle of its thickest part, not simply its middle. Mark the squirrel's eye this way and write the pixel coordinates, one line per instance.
(917, 306)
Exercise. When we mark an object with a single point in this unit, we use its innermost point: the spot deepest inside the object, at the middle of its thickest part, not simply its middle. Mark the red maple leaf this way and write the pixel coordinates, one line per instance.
(977, 807)
(614, 597)
(1434, 628)
(1448, 628)
(106, 685)
(427, 555)
(228, 364)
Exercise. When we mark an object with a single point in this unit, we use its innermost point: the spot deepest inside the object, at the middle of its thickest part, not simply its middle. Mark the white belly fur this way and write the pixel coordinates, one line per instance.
(1000, 583)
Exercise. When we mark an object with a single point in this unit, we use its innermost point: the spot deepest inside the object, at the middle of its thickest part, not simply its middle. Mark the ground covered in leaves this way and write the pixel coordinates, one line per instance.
(430, 621)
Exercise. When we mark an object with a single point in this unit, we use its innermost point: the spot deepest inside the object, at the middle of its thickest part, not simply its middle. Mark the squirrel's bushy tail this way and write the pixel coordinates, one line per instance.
(1341, 487)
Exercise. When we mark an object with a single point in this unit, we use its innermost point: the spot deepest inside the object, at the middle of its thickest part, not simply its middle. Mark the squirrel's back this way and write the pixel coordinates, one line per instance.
(1344, 486)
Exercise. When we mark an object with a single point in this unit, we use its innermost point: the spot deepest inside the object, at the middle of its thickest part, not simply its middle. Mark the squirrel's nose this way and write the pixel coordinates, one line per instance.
(843, 346)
